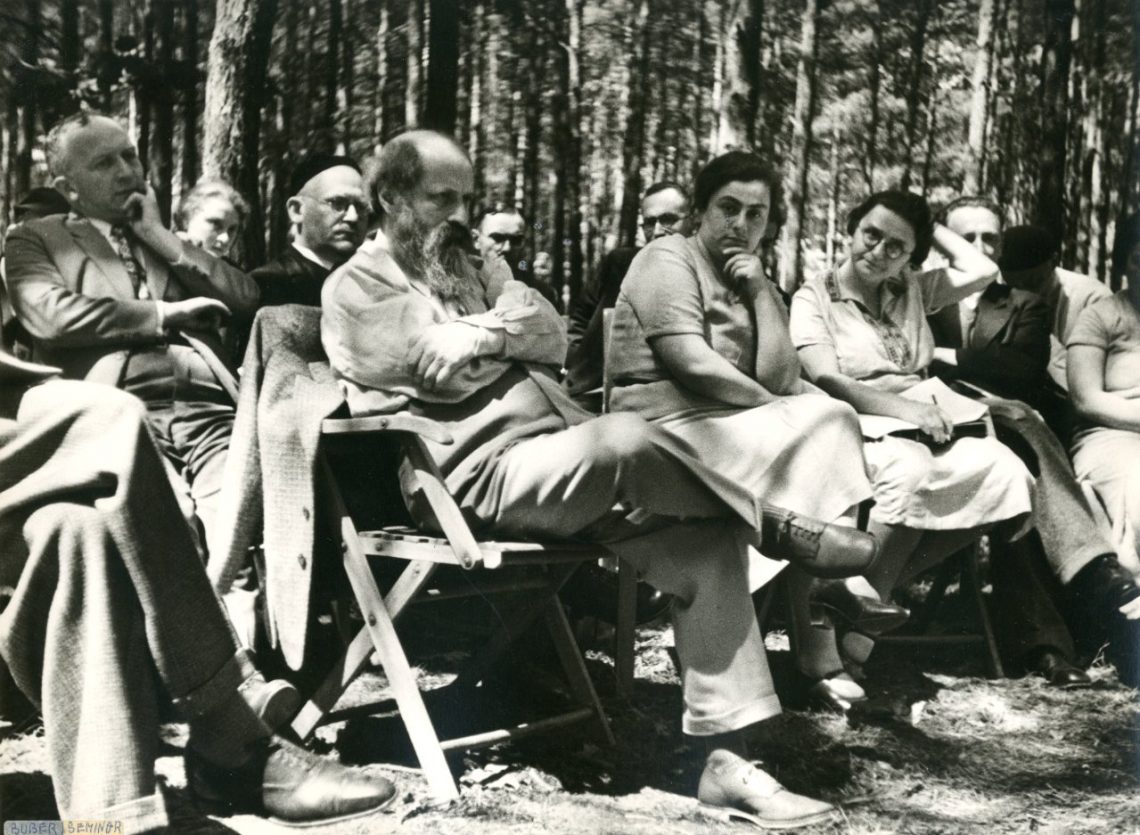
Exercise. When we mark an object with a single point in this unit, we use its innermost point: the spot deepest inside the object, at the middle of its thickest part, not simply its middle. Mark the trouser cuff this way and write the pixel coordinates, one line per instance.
(741, 717)
(143, 814)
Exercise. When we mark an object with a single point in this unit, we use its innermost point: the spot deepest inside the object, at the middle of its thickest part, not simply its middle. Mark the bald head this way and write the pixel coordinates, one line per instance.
(96, 166)
(404, 162)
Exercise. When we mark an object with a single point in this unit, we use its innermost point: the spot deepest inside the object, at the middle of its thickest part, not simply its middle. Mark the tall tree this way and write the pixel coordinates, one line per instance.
(979, 103)
(190, 157)
(443, 66)
(874, 83)
(414, 91)
(740, 95)
(923, 10)
(1055, 60)
(633, 141)
(162, 145)
(796, 179)
(235, 90)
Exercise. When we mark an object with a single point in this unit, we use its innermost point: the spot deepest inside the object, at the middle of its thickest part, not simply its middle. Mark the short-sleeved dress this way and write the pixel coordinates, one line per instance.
(802, 452)
(1110, 458)
(971, 482)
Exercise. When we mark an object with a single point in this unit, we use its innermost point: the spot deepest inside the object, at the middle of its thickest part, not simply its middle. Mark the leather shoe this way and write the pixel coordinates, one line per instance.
(289, 785)
(831, 600)
(735, 789)
(819, 548)
(1058, 672)
(1096, 595)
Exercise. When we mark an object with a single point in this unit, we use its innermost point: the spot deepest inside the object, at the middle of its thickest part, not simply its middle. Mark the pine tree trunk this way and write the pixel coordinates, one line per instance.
(796, 180)
(327, 130)
(379, 96)
(443, 66)
(1055, 60)
(1095, 149)
(235, 89)
(413, 95)
(925, 9)
(475, 144)
(1075, 242)
(162, 146)
(835, 179)
(633, 143)
(190, 160)
(979, 103)
(873, 85)
(69, 43)
(107, 76)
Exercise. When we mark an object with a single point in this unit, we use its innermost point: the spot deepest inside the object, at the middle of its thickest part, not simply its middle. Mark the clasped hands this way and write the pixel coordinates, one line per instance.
(442, 350)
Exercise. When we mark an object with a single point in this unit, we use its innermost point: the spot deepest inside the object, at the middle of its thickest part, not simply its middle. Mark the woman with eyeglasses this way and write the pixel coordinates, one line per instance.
(862, 337)
(700, 346)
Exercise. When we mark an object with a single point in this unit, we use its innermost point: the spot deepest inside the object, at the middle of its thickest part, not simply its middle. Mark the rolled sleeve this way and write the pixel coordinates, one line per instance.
(1091, 329)
(663, 290)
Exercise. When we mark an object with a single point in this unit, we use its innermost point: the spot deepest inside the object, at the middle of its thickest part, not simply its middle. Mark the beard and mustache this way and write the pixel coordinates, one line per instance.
(438, 255)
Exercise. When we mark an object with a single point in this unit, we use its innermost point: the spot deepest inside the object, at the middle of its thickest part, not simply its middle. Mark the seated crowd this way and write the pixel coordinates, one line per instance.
(737, 444)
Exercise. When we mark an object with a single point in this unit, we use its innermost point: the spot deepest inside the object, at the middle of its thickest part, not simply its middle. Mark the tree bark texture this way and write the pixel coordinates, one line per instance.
(974, 180)
(796, 180)
(1055, 60)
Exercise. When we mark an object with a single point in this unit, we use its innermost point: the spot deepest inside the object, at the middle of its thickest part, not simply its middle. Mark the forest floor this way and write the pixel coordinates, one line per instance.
(939, 749)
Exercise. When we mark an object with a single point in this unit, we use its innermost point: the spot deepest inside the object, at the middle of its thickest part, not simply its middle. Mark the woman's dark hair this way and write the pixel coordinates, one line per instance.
(735, 167)
(1127, 238)
(911, 208)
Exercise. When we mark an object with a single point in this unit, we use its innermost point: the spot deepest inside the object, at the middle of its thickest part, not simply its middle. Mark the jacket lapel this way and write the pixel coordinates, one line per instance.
(157, 273)
(993, 314)
(103, 258)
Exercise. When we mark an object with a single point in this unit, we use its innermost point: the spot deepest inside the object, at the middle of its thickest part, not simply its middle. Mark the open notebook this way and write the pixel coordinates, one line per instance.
(968, 415)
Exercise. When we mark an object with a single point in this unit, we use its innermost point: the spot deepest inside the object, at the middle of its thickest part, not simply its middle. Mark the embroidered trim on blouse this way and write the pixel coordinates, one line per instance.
(891, 335)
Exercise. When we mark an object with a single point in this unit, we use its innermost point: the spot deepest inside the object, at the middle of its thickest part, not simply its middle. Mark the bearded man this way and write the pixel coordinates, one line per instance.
(410, 324)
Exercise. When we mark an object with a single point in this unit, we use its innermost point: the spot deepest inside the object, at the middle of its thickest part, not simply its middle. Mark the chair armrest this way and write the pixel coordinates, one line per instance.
(423, 427)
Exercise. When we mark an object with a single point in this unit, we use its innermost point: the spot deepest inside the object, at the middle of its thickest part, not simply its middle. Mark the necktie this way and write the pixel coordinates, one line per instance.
(132, 265)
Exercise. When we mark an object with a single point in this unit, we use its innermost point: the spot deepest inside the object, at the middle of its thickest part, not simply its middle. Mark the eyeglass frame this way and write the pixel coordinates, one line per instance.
(893, 248)
(362, 206)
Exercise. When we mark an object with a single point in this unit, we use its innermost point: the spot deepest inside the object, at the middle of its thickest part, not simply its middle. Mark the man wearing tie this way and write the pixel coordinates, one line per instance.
(111, 295)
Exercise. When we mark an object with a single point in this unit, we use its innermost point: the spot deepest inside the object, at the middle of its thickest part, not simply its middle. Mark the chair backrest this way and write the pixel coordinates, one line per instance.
(607, 334)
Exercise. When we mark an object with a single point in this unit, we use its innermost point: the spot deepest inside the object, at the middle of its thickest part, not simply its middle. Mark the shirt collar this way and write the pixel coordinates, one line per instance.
(839, 291)
(101, 226)
(312, 256)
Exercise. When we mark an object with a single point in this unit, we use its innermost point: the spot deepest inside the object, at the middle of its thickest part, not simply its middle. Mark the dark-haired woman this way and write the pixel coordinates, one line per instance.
(862, 337)
(700, 346)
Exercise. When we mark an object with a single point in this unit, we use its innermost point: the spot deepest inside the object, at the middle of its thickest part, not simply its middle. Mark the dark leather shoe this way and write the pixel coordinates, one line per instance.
(831, 600)
(1059, 672)
(1096, 595)
(819, 548)
(289, 785)
(1102, 587)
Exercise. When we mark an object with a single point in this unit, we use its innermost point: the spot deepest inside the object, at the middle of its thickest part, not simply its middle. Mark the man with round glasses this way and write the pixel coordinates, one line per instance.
(328, 211)
(500, 233)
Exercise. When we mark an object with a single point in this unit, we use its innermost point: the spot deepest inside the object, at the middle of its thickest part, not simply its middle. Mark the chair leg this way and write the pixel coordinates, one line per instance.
(972, 576)
(352, 662)
(625, 633)
(572, 663)
(510, 628)
(401, 678)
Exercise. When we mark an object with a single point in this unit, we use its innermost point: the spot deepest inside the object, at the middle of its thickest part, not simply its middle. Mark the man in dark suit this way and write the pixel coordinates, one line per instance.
(663, 210)
(999, 340)
(109, 294)
(328, 210)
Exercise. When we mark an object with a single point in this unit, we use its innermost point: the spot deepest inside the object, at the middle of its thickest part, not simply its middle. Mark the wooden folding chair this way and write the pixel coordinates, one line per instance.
(535, 571)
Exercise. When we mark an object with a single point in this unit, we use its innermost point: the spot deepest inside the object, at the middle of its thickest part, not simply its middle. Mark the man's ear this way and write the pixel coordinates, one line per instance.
(387, 204)
(64, 187)
(293, 209)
